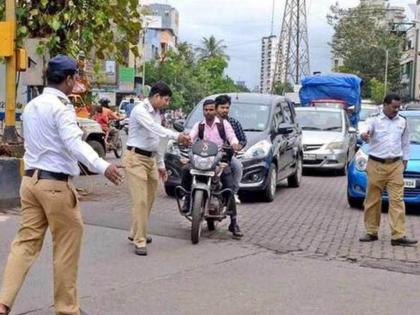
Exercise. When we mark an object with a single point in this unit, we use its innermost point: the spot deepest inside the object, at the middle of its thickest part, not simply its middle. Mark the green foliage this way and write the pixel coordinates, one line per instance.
(361, 39)
(71, 26)
(377, 90)
(281, 88)
(190, 77)
(211, 48)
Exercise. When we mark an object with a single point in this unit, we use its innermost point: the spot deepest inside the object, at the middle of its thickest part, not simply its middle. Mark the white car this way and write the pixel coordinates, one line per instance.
(329, 141)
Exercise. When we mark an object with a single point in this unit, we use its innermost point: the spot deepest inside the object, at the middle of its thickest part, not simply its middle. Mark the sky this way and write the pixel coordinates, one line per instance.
(242, 24)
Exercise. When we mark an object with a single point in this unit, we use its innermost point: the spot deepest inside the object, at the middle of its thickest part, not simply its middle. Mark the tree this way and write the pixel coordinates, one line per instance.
(108, 28)
(281, 88)
(361, 39)
(190, 77)
(377, 90)
(211, 48)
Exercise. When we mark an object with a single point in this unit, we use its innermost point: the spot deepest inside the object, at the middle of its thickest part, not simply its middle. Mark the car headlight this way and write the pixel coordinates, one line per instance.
(258, 150)
(173, 148)
(203, 163)
(338, 145)
(360, 160)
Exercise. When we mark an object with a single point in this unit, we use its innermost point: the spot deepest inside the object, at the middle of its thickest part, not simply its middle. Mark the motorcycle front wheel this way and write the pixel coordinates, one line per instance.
(197, 216)
(118, 151)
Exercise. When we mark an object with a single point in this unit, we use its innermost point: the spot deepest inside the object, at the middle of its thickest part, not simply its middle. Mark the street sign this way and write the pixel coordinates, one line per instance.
(126, 79)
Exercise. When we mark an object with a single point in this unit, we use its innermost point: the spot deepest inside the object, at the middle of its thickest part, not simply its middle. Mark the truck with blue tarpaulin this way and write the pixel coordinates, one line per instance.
(336, 90)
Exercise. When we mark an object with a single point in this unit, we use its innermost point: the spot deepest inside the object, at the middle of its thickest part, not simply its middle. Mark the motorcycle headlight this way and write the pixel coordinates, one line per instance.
(335, 145)
(173, 148)
(203, 163)
(258, 150)
(360, 160)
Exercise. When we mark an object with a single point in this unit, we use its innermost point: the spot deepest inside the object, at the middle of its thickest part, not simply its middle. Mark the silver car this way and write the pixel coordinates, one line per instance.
(328, 140)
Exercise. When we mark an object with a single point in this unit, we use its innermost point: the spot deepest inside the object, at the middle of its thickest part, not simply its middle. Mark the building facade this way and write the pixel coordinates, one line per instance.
(269, 48)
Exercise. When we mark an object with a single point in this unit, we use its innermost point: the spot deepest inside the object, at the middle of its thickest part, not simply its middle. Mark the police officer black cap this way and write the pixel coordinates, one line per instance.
(61, 63)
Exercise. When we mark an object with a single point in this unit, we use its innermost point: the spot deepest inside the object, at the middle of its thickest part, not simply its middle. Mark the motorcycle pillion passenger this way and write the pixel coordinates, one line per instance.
(220, 132)
(103, 116)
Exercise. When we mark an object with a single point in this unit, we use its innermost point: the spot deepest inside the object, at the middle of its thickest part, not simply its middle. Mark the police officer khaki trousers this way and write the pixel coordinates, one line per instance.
(143, 180)
(381, 175)
(47, 203)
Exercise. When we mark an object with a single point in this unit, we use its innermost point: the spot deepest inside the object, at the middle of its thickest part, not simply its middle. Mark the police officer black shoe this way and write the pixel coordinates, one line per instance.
(368, 238)
(235, 230)
(7, 310)
(403, 241)
(141, 251)
(148, 239)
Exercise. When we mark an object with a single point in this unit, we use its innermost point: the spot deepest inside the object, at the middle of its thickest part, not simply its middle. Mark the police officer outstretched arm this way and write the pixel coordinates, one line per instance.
(53, 147)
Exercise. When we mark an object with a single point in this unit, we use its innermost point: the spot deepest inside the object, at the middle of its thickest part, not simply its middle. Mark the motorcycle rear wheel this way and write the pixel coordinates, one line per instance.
(197, 216)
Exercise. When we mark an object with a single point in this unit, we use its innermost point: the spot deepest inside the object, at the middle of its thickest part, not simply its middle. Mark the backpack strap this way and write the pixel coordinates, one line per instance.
(221, 129)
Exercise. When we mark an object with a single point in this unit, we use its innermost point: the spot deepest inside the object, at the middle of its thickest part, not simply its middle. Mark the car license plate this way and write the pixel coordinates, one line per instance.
(409, 183)
(309, 157)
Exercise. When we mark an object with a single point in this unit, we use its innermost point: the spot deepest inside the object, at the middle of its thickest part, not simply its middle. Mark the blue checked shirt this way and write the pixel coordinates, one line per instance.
(239, 132)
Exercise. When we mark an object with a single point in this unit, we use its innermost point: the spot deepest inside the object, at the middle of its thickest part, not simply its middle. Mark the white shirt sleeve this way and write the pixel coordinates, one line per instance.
(405, 142)
(143, 117)
(71, 135)
(368, 126)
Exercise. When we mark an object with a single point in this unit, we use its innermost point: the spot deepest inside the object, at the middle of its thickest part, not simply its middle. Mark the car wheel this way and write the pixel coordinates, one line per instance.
(270, 190)
(295, 179)
(98, 147)
(354, 202)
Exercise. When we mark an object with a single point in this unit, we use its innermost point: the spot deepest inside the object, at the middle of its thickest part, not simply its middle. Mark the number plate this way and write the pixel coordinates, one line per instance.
(309, 157)
(409, 183)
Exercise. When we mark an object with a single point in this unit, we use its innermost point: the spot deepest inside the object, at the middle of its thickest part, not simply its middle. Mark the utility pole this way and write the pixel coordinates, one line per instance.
(8, 49)
(292, 60)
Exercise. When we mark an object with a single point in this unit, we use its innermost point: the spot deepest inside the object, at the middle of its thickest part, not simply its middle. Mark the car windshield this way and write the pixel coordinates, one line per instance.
(253, 117)
(366, 112)
(319, 120)
(414, 127)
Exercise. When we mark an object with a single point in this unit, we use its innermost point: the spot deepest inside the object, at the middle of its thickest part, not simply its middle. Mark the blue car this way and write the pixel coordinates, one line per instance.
(357, 177)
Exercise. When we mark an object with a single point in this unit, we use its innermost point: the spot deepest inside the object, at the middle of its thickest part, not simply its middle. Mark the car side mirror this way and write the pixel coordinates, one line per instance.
(284, 130)
(352, 130)
(178, 126)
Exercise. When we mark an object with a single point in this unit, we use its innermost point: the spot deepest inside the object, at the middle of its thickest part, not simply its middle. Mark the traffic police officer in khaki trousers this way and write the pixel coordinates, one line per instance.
(53, 146)
(143, 162)
(388, 137)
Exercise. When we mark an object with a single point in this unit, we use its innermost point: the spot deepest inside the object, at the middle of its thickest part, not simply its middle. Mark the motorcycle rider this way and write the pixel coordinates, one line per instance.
(105, 115)
(211, 128)
(222, 108)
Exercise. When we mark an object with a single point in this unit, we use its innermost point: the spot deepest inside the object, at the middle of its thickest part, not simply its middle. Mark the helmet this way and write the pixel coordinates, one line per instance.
(104, 102)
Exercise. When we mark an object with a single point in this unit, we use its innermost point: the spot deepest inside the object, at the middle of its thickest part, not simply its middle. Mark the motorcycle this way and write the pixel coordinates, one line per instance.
(208, 200)
(116, 143)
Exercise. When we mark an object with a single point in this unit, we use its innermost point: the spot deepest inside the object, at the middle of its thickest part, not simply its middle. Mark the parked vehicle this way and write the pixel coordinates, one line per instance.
(329, 141)
(274, 149)
(357, 177)
(366, 111)
(335, 90)
(209, 200)
(412, 106)
(124, 103)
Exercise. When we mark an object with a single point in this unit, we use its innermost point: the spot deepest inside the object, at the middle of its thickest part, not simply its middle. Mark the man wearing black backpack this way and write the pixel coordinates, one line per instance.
(211, 128)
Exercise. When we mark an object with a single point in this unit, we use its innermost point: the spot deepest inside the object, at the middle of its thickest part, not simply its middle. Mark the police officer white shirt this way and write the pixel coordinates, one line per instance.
(53, 140)
(389, 138)
(145, 130)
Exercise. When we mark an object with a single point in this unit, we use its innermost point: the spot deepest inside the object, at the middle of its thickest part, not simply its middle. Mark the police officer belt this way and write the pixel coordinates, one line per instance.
(385, 161)
(47, 175)
(140, 151)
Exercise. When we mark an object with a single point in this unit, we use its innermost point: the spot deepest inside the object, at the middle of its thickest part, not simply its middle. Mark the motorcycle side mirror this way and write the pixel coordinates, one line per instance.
(178, 126)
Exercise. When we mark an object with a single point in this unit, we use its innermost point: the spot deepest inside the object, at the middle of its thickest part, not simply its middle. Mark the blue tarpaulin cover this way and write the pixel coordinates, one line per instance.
(341, 86)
